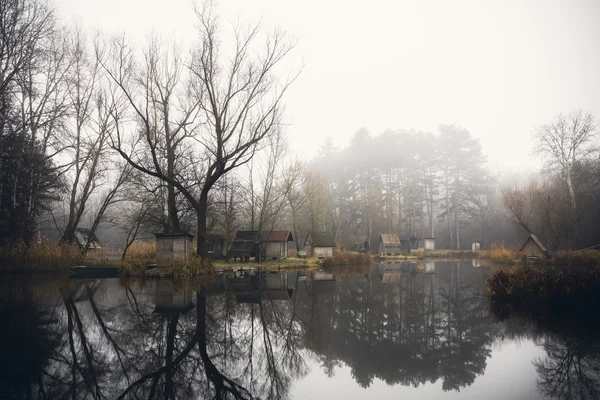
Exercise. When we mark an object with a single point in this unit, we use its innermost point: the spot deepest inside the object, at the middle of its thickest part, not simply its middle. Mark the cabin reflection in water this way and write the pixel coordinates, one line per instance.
(257, 334)
(171, 299)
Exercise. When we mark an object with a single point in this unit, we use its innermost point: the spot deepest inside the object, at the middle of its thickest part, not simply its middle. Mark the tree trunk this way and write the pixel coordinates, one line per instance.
(201, 250)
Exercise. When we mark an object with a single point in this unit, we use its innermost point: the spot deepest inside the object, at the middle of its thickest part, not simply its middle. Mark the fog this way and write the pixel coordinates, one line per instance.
(426, 119)
(497, 68)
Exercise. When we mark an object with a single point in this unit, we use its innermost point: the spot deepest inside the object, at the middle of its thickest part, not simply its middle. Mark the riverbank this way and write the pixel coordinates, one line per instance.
(527, 288)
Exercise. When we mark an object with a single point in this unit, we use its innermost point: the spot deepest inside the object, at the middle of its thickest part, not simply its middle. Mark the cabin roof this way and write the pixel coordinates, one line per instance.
(174, 234)
(83, 234)
(390, 239)
(246, 243)
(277, 236)
(536, 241)
(322, 239)
(247, 236)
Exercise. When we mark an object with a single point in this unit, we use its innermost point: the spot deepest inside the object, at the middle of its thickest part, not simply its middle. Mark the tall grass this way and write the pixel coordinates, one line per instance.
(586, 257)
(43, 256)
(342, 258)
(502, 255)
(141, 251)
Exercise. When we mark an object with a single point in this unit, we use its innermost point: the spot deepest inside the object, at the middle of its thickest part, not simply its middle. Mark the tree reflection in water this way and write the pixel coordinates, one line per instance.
(248, 336)
(571, 338)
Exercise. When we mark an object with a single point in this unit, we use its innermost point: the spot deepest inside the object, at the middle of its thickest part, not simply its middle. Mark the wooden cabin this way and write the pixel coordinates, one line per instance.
(173, 248)
(533, 248)
(277, 243)
(389, 244)
(247, 245)
(320, 245)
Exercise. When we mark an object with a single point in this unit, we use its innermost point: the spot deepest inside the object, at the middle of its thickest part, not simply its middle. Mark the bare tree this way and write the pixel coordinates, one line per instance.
(292, 184)
(265, 198)
(569, 140)
(240, 103)
(33, 63)
(88, 132)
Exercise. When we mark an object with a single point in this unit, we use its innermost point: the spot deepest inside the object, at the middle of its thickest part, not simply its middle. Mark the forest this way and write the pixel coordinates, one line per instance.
(128, 140)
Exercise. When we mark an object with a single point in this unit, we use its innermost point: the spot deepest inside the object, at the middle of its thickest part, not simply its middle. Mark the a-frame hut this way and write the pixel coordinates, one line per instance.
(533, 247)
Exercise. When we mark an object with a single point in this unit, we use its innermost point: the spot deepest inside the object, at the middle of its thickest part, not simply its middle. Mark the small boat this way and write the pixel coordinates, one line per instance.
(96, 271)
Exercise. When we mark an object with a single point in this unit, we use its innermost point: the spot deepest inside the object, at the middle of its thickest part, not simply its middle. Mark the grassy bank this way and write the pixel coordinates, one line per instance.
(529, 287)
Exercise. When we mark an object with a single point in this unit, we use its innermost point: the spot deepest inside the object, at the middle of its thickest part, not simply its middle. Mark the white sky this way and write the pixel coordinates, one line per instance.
(497, 68)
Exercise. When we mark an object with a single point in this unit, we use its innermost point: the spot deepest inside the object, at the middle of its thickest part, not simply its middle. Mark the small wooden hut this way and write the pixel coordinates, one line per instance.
(173, 248)
(246, 245)
(533, 247)
(277, 243)
(428, 243)
(320, 245)
(389, 244)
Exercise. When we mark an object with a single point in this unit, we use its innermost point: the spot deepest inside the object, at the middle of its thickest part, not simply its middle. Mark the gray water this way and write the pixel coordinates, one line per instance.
(394, 330)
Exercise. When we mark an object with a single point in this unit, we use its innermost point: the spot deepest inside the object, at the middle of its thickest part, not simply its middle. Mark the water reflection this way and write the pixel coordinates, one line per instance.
(249, 335)
(571, 340)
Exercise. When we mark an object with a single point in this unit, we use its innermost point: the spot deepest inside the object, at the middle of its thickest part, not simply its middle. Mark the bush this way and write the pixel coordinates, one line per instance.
(502, 255)
(344, 258)
(420, 253)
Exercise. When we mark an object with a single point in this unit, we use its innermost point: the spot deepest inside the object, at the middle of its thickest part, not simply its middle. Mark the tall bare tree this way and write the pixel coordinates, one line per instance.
(564, 143)
(240, 103)
(91, 110)
(33, 64)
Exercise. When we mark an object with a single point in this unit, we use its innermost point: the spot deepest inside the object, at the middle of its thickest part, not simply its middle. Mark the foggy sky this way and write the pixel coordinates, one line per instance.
(497, 68)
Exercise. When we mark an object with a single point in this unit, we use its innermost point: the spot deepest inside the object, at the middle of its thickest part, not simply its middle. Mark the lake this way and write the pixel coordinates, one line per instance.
(411, 330)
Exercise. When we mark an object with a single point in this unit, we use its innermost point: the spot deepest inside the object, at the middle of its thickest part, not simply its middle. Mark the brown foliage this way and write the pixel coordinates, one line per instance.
(586, 257)
(344, 258)
(42, 256)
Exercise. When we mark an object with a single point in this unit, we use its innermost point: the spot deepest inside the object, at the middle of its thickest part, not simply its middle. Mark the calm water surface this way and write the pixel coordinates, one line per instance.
(398, 330)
